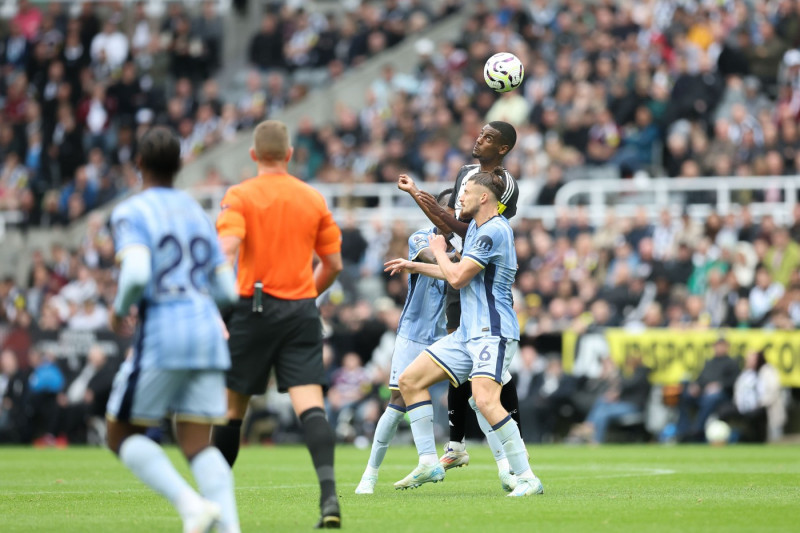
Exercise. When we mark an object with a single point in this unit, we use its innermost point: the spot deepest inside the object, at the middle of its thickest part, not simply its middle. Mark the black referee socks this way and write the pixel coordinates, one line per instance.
(227, 438)
(320, 441)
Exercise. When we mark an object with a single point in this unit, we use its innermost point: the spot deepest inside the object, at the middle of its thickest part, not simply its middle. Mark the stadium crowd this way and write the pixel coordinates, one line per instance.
(680, 88)
(76, 92)
(729, 272)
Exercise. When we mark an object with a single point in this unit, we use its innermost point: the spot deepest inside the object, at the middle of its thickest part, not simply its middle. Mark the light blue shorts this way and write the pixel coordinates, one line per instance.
(481, 357)
(143, 397)
(405, 351)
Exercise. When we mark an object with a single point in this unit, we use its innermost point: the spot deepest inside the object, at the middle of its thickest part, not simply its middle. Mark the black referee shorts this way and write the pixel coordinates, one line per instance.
(452, 307)
(286, 335)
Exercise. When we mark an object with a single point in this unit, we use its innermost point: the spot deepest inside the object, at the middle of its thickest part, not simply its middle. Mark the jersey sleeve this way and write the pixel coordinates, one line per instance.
(128, 229)
(457, 187)
(486, 246)
(231, 220)
(508, 203)
(329, 236)
(416, 243)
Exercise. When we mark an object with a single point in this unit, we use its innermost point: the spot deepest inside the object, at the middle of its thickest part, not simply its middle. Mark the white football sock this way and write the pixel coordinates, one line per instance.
(421, 417)
(150, 464)
(508, 433)
(384, 433)
(215, 480)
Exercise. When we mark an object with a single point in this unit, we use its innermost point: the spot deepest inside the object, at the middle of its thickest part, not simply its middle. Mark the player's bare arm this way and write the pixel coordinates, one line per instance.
(457, 274)
(230, 247)
(404, 266)
(406, 183)
(448, 223)
(426, 256)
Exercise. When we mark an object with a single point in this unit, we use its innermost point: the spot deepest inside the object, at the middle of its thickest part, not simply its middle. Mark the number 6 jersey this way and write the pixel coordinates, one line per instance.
(487, 307)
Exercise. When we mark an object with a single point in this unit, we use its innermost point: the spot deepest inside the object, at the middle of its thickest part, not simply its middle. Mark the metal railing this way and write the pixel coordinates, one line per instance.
(365, 202)
(627, 196)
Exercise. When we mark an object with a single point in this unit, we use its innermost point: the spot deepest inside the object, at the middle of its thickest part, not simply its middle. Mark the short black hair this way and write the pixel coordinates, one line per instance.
(508, 135)
(444, 197)
(160, 154)
(494, 181)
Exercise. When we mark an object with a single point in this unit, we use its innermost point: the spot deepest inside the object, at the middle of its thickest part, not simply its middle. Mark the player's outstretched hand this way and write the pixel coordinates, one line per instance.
(428, 200)
(398, 266)
(406, 183)
(437, 243)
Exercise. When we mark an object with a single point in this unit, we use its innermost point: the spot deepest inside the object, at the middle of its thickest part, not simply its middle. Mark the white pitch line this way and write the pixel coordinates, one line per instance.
(619, 472)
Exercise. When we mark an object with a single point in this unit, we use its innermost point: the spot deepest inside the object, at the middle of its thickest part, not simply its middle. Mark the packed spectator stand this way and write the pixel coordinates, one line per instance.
(658, 88)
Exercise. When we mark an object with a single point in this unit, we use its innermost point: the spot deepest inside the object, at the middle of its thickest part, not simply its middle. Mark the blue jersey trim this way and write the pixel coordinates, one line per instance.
(488, 283)
(412, 284)
(501, 357)
(476, 259)
(127, 399)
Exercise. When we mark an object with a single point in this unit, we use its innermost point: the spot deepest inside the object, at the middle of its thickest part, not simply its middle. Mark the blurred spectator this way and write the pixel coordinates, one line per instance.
(764, 295)
(14, 406)
(783, 258)
(349, 386)
(266, 46)
(45, 382)
(86, 396)
(540, 407)
(626, 396)
(713, 387)
(757, 401)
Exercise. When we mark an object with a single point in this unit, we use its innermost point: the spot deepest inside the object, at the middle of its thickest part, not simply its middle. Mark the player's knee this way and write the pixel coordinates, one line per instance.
(407, 383)
(484, 399)
(482, 402)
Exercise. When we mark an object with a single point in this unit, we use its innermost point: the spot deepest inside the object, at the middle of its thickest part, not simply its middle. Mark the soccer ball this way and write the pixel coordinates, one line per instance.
(503, 72)
(718, 432)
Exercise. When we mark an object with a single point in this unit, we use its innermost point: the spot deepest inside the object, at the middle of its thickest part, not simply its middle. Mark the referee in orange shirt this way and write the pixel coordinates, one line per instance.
(270, 226)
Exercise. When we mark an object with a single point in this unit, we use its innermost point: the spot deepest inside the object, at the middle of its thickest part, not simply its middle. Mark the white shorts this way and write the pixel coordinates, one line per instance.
(143, 397)
(483, 356)
(405, 351)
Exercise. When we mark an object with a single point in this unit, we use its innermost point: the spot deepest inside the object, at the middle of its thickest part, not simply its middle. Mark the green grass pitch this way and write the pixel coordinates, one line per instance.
(614, 488)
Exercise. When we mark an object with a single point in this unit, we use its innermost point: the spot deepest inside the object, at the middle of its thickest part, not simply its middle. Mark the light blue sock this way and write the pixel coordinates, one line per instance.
(491, 437)
(384, 433)
(150, 464)
(421, 416)
(215, 480)
(508, 433)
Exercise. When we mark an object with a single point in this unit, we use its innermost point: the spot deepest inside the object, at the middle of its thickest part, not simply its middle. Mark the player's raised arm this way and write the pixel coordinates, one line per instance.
(457, 274)
(448, 223)
(432, 210)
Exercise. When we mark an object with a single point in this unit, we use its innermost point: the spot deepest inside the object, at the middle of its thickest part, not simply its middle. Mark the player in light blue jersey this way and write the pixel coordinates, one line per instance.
(173, 270)
(422, 323)
(485, 342)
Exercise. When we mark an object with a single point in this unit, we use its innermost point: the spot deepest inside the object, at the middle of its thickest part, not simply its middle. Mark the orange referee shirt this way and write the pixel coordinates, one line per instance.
(282, 222)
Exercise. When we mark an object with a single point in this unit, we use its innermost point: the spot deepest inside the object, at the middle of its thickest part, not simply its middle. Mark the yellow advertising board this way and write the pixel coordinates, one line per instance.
(676, 355)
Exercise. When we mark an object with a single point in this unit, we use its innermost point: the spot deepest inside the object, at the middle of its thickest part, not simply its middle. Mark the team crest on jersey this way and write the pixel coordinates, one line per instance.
(485, 243)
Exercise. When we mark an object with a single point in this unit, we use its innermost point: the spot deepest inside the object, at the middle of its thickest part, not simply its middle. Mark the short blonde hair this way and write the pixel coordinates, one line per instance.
(271, 141)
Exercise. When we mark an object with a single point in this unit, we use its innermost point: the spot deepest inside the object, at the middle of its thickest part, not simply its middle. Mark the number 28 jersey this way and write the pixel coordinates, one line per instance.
(179, 324)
